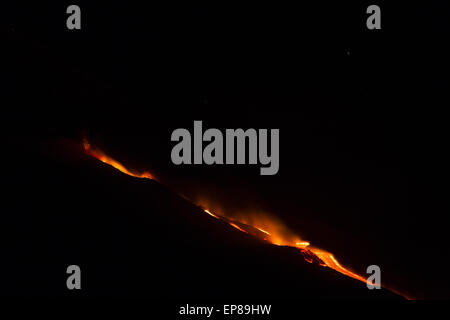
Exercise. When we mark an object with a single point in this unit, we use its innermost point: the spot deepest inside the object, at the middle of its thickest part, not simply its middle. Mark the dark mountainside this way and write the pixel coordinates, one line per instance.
(135, 238)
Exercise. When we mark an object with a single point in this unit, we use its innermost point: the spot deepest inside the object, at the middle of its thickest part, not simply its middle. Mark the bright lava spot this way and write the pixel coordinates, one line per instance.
(332, 263)
(237, 227)
(302, 244)
(263, 231)
(98, 154)
(211, 214)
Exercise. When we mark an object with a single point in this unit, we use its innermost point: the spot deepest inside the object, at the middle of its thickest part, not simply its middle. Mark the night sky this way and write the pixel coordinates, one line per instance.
(361, 113)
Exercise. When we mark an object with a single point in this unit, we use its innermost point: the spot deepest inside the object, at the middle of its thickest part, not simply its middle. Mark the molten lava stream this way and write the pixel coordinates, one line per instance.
(98, 154)
(310, 254)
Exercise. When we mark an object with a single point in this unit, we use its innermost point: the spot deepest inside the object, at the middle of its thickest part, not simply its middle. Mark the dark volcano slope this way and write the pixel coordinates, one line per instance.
(135, 238)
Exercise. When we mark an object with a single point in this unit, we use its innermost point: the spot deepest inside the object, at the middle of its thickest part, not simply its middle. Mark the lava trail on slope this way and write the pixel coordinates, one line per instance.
(309, 253)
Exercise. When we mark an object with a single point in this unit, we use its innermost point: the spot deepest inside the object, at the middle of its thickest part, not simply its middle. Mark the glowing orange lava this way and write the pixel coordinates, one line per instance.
(310, 254)
(331, 262)
(263, 231)
(302, 244)
(98, 154)
(237, 227)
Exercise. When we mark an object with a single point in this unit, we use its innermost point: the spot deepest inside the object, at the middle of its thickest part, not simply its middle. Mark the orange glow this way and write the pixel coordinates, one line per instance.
(302, 244)
(237, 227)
(263, 231)
(113, 163)
(331, 262)
(211, 214)
(274, 232)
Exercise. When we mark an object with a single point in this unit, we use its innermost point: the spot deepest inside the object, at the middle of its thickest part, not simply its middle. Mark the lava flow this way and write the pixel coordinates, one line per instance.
(310, 254)
(98, 154)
